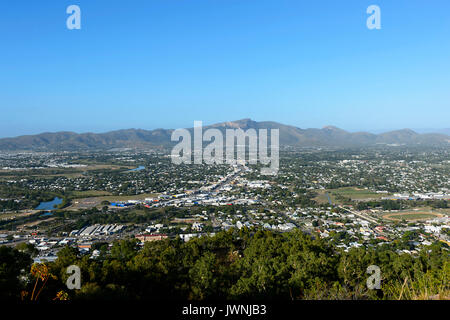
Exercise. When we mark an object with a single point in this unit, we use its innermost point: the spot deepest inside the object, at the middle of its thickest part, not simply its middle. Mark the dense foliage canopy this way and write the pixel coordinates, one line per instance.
(235, 264)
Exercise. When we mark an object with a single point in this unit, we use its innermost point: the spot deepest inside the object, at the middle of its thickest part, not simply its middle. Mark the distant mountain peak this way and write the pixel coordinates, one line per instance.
(333, 128)
(243, 124)
(409, 131)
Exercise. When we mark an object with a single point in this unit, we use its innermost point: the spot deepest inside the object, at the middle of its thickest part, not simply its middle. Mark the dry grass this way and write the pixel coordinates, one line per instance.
(429, 286)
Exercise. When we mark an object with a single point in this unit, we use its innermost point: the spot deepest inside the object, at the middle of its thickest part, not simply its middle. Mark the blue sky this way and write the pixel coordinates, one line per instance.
(165, 63)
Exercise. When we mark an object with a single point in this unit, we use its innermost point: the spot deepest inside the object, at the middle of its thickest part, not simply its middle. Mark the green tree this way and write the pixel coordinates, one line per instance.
(14, 265)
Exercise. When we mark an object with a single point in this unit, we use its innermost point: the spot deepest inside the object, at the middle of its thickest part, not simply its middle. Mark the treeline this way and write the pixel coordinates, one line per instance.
(11, 204)
(29, 199)
(385, 204)
(236, 264)
(11, 225)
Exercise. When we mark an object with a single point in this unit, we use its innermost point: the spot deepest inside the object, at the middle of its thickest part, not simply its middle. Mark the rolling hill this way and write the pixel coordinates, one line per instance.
(328, 136)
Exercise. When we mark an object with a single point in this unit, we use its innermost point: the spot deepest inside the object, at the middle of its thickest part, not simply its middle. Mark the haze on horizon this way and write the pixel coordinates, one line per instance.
(165, 63)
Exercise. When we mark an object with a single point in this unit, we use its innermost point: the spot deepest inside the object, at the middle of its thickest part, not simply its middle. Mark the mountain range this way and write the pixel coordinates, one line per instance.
(328, 136)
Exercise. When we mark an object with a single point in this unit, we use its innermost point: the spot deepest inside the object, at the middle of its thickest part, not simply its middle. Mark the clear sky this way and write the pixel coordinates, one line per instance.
(165, 63)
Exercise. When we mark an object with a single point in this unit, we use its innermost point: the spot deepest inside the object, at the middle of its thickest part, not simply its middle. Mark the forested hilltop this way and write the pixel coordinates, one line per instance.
(234, 264)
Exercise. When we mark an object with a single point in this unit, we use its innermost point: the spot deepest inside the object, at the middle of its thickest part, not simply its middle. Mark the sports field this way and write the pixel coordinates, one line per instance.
(412, 215)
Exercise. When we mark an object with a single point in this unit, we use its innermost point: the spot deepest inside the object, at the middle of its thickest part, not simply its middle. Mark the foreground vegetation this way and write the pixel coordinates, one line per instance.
(231, 265)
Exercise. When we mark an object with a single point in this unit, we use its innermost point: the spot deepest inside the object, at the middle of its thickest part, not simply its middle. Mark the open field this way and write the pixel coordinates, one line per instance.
(353, 193)
(34, 223)
(6, 174)
(87, 203)
(141, 196)
(412, 215)
(322, 197)
(14, 215)
(89, 193)
(356, 193)
(185, 220)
